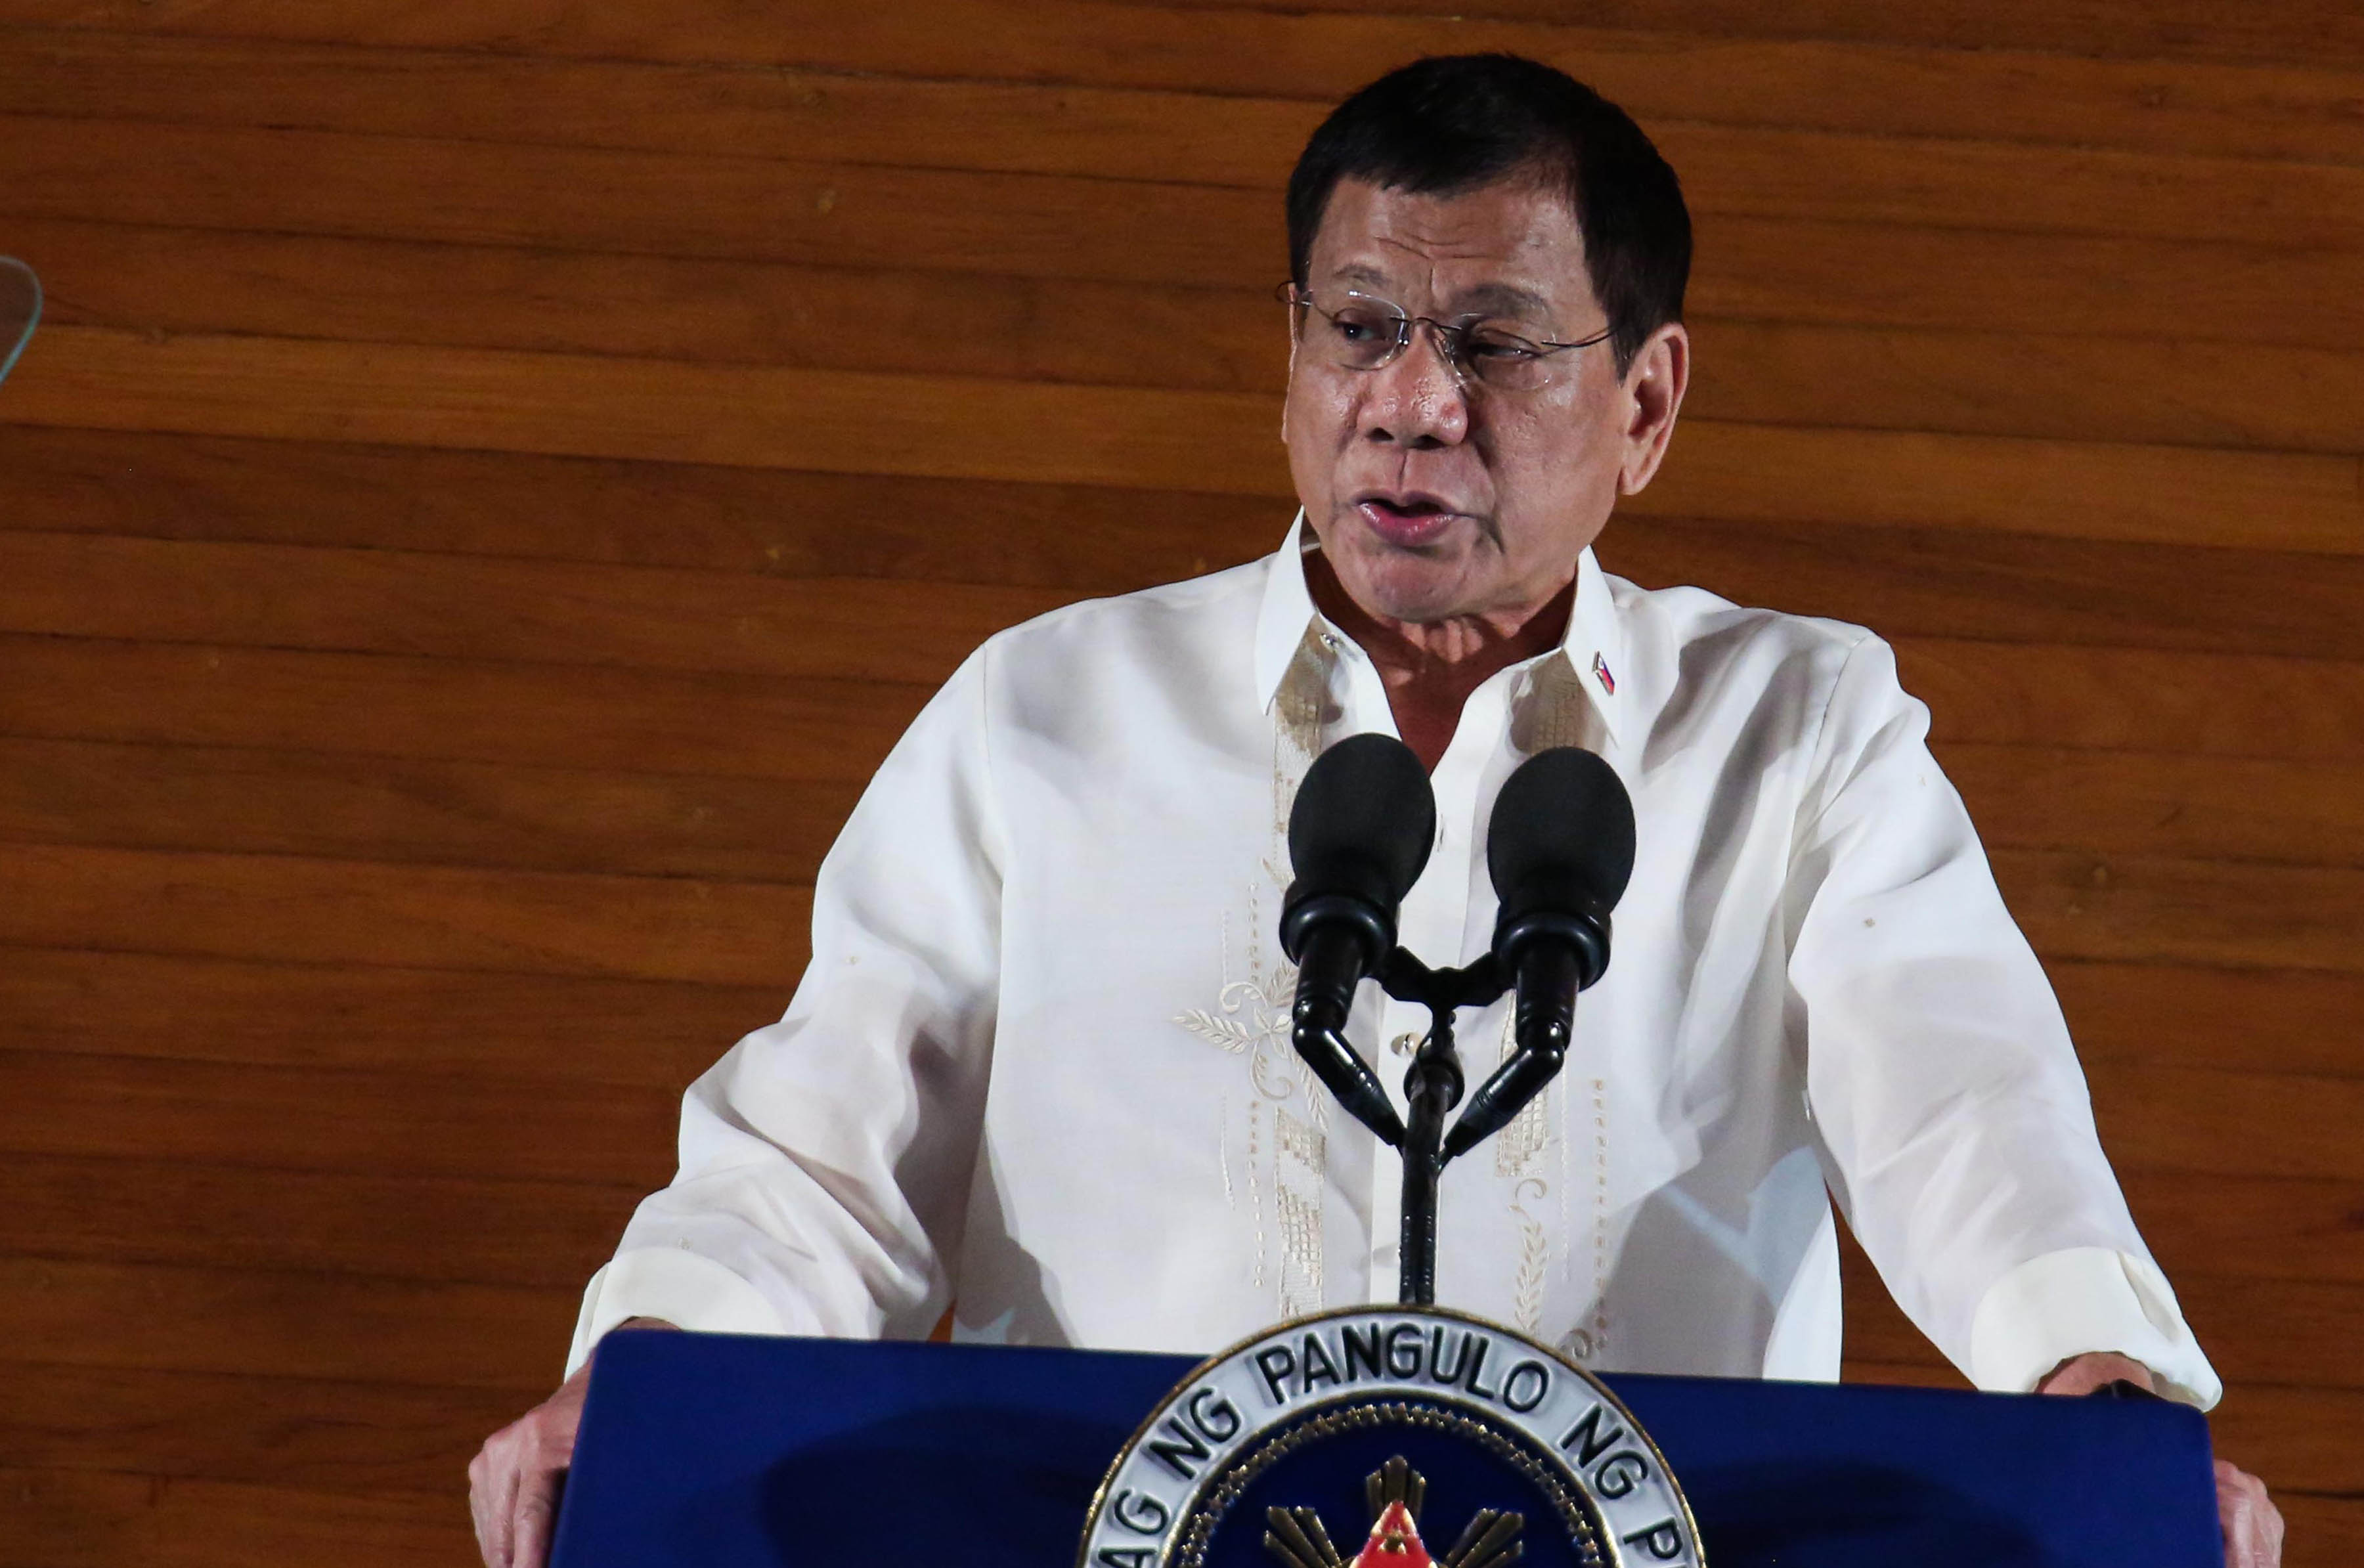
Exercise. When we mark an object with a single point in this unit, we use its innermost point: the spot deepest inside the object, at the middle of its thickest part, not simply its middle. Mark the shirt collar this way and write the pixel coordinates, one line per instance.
(1594, 645)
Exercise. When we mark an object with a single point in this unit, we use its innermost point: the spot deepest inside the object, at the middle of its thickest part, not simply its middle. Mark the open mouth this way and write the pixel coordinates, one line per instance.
(1406, 519)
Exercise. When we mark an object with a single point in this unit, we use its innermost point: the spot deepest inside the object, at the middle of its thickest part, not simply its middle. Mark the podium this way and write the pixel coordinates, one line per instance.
(738, 1451)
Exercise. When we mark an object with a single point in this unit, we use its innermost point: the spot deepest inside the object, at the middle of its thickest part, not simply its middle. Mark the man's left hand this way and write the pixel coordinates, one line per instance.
(2252, 1525)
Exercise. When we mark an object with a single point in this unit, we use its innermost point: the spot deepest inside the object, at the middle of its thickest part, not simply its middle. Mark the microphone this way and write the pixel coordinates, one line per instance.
(1358, 835)
(1560, 850)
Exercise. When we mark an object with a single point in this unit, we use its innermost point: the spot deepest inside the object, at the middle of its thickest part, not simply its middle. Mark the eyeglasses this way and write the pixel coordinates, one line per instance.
(1362, 332)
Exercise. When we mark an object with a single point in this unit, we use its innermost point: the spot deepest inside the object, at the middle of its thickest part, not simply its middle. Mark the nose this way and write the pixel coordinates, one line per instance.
(1417, 399)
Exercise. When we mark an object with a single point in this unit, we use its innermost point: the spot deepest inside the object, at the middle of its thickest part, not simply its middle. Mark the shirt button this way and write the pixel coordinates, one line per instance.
(1403, 1044)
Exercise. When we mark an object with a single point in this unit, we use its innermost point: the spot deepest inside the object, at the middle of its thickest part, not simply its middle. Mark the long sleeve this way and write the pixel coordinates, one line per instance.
(825, 1159)
(1940, 1075)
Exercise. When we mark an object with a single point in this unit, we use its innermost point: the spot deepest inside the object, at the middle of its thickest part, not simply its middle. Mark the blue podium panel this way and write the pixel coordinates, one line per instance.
(731, 1452)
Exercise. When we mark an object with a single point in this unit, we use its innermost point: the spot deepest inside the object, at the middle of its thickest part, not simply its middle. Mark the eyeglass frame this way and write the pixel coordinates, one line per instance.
(1452, 338)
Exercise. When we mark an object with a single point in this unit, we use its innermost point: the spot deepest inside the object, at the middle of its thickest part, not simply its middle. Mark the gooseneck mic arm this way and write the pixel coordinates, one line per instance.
(1336, 940)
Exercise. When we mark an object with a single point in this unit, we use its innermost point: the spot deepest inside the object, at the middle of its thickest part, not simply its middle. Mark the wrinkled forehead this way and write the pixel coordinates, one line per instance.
(1511, 246)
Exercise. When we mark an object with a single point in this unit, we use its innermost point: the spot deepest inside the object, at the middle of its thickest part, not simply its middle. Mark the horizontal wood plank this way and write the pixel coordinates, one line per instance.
(1799, 269)
(2266, 1019)
(410, 602)
(2141, 698)
(2228, 1121)
(2326, 1529)
(87, 1518)
(405, 917)
(636, 1034)
(776, 522)
(2252, 1226)
(565, 404)
(398, 1223)
(2119, 802)
(749, 725)
(507, 102)
(2310, 29)
(2298, 109)
(850, 422)
(1912, 582)
(2175, 495)
(713, 204)
(436, 813)
(2154, 909)
(260, 1324)
(2166, 390)
(288, 1432)
(474, 1127)
(1962, 377)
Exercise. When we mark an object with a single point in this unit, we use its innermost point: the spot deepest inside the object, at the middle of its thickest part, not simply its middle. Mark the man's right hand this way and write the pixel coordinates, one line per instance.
(513, 1481)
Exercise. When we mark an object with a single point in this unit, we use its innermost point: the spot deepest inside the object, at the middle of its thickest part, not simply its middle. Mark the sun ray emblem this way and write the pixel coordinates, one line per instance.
(1395, 1492)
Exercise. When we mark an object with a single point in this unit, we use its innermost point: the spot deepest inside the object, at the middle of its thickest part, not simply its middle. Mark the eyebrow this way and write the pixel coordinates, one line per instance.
(1484, 296)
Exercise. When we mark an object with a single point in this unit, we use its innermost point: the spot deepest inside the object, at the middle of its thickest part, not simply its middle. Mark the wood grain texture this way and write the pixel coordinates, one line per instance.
(267, 1324)
(544, 612)
(496, 477)
(360, 912)
(476, 1125)
(2318, 28)
(351, 1438)
(952, 427)
(2297, 105)
(637, 1034)
(434, 813)
(477, 710)
(507, 102)
(125, 1205)
(88, 1518)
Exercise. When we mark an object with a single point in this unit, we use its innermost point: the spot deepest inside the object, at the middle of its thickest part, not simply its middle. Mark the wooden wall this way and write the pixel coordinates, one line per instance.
(498, 475)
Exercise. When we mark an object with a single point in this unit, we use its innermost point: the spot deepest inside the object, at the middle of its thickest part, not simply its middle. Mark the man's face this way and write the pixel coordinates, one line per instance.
(1432, 499)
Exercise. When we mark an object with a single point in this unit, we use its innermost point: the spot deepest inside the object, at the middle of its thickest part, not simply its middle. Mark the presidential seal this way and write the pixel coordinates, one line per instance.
(1390, 1437)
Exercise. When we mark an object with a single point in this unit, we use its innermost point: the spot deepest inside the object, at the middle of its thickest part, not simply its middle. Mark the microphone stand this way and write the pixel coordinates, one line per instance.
(1433, 1087)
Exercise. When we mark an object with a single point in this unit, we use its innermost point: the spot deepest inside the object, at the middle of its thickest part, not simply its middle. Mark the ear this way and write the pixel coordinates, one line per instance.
(1654, 389)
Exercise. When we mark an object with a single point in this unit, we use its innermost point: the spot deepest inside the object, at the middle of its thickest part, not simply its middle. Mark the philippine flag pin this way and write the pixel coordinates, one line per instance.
(1600, 672)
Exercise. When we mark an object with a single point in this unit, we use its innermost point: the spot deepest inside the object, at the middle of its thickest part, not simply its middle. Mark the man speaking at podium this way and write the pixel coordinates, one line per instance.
(1037, 1078)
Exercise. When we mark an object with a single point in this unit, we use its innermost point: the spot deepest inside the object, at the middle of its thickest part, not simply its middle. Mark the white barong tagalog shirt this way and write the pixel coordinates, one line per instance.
(1038, 1071)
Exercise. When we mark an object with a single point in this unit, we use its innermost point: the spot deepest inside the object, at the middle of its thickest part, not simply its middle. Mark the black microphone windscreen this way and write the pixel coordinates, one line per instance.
(1562, 824)
(1363, 821)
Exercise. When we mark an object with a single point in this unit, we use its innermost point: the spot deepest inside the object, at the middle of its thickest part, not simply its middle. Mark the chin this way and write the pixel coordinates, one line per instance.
(1398, 586)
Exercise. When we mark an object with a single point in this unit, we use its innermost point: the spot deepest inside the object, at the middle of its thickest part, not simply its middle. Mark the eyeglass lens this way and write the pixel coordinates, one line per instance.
(1362, 332)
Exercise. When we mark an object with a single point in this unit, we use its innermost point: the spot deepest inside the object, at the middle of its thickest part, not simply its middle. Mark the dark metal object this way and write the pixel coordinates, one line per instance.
(1433, 1087)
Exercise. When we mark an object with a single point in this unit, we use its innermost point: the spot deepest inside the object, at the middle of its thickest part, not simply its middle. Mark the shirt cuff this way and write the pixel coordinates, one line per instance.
(685, 1289)
(2081, 1300)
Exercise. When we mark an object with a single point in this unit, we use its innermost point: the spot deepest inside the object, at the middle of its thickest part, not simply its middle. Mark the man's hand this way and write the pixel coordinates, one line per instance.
(2252, 1525)
(513, 1481)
